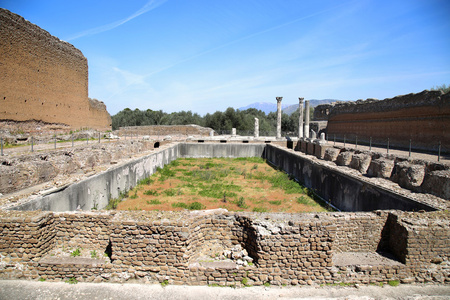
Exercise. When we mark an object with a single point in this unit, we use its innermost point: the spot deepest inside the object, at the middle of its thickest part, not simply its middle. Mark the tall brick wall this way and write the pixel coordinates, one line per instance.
(423, 117)
(43, 78)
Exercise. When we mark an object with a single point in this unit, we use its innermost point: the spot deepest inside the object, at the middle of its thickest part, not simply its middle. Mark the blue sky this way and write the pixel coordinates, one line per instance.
(205, 56)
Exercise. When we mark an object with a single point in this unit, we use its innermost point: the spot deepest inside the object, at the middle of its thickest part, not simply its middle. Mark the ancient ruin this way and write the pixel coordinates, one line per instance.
(423, 118)
(222, 248)
(44, 79)
(391, 223)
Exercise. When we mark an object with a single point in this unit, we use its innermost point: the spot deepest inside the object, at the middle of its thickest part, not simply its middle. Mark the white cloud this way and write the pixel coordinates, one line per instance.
(152, 4)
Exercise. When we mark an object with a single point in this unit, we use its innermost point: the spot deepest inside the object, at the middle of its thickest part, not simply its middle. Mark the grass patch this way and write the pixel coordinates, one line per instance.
(72, 280)
(260, 209)
(153, 202)
(145, 181)
(394, 282)
(151, 193)
(179, 204)
(277, 202)
(170, 192)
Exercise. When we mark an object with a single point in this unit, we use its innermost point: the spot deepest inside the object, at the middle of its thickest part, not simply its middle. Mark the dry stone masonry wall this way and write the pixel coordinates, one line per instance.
(173, 247)
(44, 78)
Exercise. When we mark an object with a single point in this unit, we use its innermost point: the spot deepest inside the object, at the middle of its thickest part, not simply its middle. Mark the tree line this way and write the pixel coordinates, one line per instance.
(221, 122)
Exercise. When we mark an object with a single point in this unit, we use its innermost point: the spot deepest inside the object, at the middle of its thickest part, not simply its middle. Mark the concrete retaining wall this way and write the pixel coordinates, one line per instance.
(344, 191)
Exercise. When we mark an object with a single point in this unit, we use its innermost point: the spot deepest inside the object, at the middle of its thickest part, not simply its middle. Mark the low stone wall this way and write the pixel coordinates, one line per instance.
(166, 246)
(416, 175)
(23, 171)
(165, 130)
(345, 190)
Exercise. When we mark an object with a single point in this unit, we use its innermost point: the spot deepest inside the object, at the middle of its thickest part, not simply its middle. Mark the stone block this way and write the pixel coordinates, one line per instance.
(408, 175)
(360, 162)
(380, 167)
(331, 153)
(310, 148)
(437, 183)
(344, 158)
(319, 150)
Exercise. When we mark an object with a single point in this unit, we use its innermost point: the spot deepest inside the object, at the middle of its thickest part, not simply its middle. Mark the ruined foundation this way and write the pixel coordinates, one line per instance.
(194, 247)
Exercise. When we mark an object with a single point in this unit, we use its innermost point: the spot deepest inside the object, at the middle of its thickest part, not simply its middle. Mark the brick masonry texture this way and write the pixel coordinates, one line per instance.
(44, 78)
(423, 117)
(291, 249)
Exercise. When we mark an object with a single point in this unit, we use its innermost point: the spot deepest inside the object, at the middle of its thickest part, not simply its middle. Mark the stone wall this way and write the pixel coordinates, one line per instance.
(44, 79)
(165, 130)
(189, 247)
(423, 117)
(345, 188)
(27, 170)
(415, 175)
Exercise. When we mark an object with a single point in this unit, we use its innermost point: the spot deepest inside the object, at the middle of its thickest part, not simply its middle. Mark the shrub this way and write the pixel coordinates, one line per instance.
(196, 206)
(151, 193)
(179, 204)
(241, 203)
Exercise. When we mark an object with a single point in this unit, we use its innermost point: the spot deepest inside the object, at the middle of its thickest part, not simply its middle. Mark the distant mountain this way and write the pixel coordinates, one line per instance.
(268, 107)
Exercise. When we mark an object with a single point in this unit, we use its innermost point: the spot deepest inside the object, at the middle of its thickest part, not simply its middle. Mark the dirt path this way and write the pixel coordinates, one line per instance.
(17, 289)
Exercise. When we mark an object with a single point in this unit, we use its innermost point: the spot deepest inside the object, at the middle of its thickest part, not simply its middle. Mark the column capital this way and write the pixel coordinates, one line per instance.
(300, 99)
(279, 99)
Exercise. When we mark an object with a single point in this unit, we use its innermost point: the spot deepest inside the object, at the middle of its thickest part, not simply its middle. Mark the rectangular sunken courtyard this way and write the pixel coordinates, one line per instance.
(235, 184)
(219, 247)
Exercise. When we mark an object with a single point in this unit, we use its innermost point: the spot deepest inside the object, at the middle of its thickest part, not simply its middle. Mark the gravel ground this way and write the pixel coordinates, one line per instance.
(17, 289)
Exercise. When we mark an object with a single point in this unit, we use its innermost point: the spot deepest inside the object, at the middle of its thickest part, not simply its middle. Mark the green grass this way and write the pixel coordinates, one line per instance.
(170, 192)
(76, 253)
(394, 282)
(72, 280)
(165, 283)
(151, 193)
(145, 181)
(179, 204)
(278, 202)
(154, 202)
(260, 209)
(191, 206)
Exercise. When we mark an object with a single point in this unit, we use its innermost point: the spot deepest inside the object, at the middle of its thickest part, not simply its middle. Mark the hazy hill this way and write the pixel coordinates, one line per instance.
(287, 109)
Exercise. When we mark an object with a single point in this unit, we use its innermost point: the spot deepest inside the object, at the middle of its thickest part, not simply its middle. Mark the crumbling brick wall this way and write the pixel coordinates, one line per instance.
(44, 78)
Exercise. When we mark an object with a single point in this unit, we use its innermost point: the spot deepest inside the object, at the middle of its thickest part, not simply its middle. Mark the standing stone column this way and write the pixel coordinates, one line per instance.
(306, 131)
(256, 127)
(279, 117)
(300, 118)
